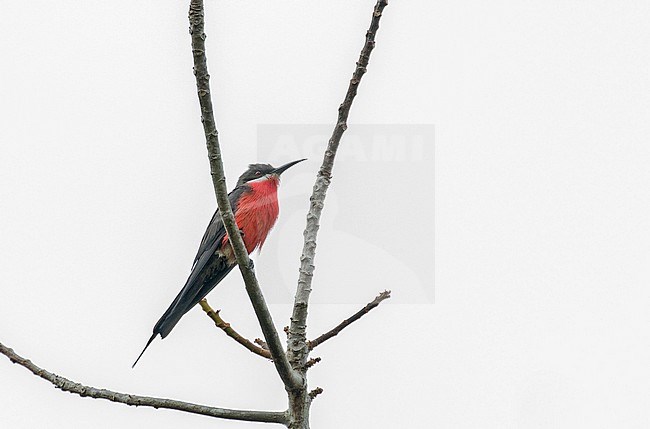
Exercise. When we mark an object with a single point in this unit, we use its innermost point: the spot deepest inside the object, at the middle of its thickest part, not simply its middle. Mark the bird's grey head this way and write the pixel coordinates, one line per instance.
(262, 171)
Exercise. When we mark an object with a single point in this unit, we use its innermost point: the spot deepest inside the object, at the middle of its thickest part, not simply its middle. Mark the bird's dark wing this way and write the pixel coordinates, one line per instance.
(213, 233)
(208, 269)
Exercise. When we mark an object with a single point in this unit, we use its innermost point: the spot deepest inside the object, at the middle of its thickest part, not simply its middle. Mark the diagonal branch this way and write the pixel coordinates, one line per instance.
(144, 401)
(298, 349)
(225, 327)
(344, 324)
(290, 378)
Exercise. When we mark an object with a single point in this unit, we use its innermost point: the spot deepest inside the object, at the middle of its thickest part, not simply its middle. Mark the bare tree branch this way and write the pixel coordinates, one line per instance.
(317, 391)
(290, 378)
(143, 401)
(312, 361)
(260, 342)
(298, 349)
(356, 316)
(225, 327)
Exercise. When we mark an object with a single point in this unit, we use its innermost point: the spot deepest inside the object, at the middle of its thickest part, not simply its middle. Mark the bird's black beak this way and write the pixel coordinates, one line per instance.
(283, 168)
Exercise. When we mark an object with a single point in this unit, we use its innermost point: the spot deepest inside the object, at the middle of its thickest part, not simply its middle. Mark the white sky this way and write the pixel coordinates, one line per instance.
(542, 242)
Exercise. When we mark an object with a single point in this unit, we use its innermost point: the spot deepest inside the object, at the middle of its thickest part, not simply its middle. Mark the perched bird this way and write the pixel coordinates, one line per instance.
(254, 202)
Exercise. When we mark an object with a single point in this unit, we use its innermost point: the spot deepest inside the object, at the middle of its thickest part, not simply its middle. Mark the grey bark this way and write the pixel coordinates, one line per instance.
(298, 349)
(290, 378)
(143, 401)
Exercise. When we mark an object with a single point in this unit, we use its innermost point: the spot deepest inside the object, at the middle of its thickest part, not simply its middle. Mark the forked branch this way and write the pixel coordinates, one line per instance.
(291, 372)
(143, 401)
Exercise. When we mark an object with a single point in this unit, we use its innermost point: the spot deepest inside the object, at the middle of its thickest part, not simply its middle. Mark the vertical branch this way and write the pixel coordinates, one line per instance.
(290, 378)
(298, 349)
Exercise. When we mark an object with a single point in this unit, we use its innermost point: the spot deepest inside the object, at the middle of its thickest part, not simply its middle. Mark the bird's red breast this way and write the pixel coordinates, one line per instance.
(257, 211)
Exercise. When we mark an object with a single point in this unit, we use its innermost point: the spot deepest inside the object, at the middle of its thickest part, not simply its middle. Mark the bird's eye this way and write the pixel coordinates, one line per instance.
(258, 173)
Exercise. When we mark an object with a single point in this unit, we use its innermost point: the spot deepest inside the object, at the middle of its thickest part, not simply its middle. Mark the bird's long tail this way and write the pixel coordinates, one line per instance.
(145, 348)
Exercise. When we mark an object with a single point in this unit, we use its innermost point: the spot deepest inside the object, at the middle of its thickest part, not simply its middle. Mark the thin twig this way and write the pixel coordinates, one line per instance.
(290, 378)
(225, 327)
(317, 391)
(260, 342)
(144, 401)
(312, 361)
(298, 349)
(344, 324)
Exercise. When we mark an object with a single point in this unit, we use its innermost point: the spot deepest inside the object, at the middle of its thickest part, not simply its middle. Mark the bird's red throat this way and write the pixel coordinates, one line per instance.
(257, 212)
